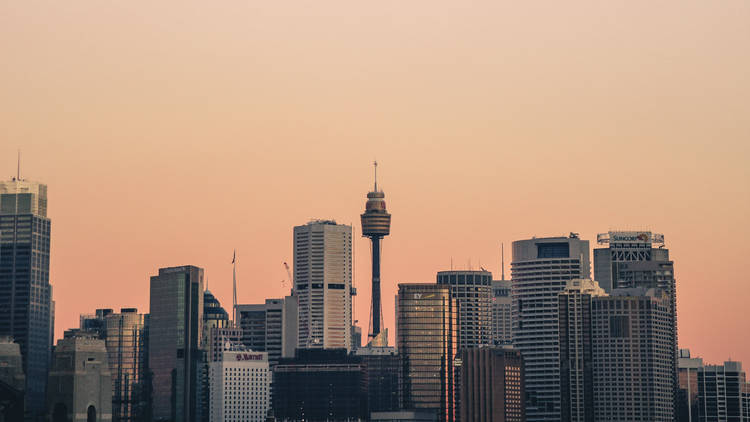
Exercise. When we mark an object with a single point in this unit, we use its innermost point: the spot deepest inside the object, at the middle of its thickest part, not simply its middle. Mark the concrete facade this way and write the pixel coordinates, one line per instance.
(80, 384)
(492, 387)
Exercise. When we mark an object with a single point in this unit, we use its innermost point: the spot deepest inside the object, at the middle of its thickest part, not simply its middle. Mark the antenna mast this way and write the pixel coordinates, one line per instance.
(234, 287)
(18, 169)
(502, 260)
(375, 164)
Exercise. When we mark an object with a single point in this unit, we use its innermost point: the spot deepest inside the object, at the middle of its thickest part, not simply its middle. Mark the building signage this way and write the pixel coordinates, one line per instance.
(248, 356)
(630, 237)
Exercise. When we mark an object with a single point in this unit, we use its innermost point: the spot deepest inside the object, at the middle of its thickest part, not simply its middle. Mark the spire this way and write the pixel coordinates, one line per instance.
(234, 287)
(375, 165)
(502, 260)
(18, 169)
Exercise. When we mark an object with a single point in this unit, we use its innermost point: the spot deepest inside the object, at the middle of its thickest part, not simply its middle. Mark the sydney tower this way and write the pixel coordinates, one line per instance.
(376, 223)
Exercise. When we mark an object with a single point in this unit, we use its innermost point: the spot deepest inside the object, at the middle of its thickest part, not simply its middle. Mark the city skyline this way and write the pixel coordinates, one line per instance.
(169, 141)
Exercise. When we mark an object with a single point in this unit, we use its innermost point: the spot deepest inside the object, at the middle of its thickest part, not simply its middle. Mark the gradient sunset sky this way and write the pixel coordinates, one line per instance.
(172, 132)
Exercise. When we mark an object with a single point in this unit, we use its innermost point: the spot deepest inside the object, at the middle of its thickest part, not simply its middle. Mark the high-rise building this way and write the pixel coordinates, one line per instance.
(269, 327)
(502, 309)
(576, 350)
(426, 332)
(632, 356)
(125, 341)
(687, 400)
(721, 389)
(472, 291)
(219, 339)
(80, 384)
(320, 385)
(376, 224)
(240, 386)
(26, 307)
(214, 315)
(381, 373)
(541, 268)
(492, 387)
(175, 352)
(634, 259)
(12, 381)
(323, 284)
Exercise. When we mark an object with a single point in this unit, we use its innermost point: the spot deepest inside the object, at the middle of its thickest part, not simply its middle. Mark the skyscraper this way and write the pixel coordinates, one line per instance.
(541, 269)
(492, 385)
(720, 393)
(576, 350)
(240, 386)
(126, 342)
(687, 401)
(323, 284)
(502, 309)
(426, 331)
(175, 343)
(376, 223)
(638, 260)
(266, 327)
(12, 381)
(26, 307)
(472, 291)
(632, 356)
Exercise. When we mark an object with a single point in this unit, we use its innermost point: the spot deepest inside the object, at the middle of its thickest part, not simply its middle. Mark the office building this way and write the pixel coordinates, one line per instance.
(220, 339)
(323, 284)
(632, 356)
(95, 322)
(175, 355)
(376, 224)
(320, 385)
(576, 350)
(502, 309)
(687, 400)
(492, 385)
(472, 291)
(125, 342)
(12, 381)
(404, 416)
(26, 307)
(270, 327)
(633, 259)
(541, 269)
(721, 389)
(214, 315)
(240, 386)
(426, 332)
(80, 384)
(382, 367)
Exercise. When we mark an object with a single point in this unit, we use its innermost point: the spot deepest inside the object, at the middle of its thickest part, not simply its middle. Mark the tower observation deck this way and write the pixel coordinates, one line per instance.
(376, 223)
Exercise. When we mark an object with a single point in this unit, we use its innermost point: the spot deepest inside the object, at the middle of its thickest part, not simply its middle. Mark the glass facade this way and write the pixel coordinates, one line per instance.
(125, 341)
(175, 354)
(426, 338)
(26, 308)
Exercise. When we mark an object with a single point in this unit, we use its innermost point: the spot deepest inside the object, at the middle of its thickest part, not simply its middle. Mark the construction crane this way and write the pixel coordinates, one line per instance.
(288, 274)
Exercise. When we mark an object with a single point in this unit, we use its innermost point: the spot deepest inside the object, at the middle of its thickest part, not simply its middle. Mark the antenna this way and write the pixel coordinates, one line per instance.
(502, 260)
(234, 286)
(375, 164)
(18, 169)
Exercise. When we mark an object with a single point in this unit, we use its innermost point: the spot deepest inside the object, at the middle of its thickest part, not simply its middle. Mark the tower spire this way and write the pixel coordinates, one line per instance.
(375, 165)
(18, 168)
(502, 260)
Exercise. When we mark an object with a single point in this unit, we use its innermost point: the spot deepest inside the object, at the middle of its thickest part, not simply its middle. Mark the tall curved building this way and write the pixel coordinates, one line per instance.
(376, 224)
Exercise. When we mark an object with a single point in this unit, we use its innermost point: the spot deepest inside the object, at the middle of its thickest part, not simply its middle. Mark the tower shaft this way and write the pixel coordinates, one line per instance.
(376, 306)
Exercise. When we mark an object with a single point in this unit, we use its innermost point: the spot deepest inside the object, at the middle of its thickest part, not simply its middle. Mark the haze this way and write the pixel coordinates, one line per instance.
(170, 133)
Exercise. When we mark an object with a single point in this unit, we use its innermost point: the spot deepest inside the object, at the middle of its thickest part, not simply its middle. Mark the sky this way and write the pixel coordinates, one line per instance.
(172, 133)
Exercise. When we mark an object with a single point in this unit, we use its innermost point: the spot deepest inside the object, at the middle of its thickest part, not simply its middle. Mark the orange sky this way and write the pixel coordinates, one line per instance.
(172, 132)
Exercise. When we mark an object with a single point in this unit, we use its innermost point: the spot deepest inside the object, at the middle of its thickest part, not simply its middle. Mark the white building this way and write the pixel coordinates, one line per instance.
(323, 284)
(240, 387)
(541, 269)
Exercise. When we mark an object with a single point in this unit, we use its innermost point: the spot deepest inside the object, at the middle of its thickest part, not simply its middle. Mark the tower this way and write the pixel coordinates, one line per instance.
(26, 306)
(323, 284)
(376, 224)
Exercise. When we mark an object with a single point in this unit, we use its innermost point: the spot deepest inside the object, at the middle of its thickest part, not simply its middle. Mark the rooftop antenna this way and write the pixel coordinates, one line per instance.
(502, 260)
(375, 164)
(234, 286)
(18, 169)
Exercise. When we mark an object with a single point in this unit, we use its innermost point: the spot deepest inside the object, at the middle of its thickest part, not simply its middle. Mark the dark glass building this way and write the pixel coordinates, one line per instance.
(426, 339)
(26, 308)
(175, 354)
(382, 372)
(320, 385)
